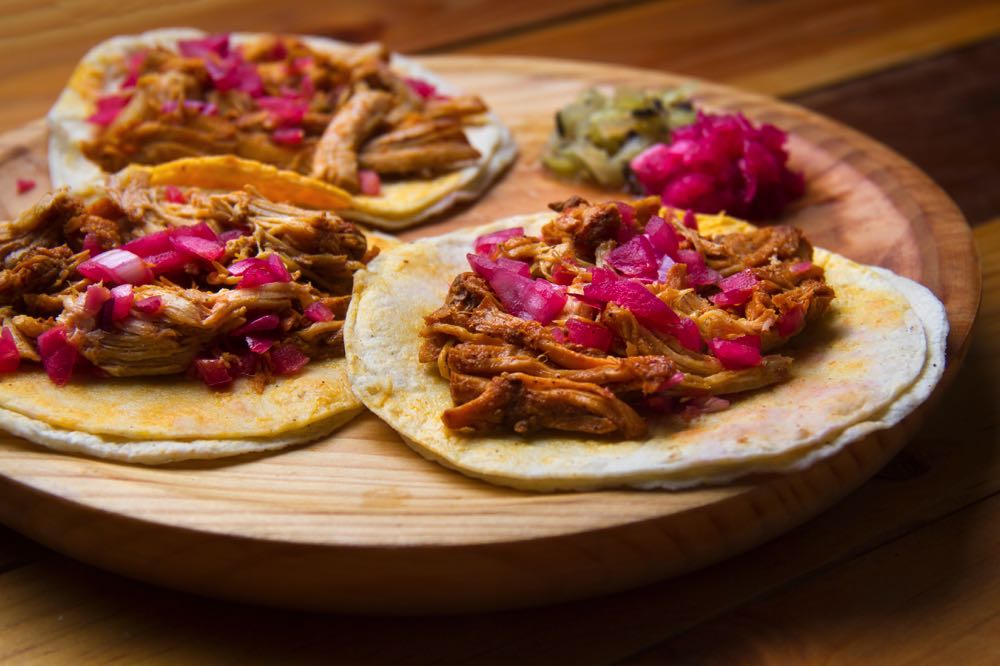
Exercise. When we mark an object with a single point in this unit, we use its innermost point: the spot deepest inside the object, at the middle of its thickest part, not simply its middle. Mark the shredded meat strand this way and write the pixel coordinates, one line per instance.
(199, 310)
(514, 374)
(356, 113)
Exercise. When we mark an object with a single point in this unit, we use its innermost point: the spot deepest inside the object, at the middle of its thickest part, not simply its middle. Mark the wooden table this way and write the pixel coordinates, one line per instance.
(907, 569)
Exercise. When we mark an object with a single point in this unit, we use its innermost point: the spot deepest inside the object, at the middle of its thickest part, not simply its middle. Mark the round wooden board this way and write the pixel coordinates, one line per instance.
(359, 522)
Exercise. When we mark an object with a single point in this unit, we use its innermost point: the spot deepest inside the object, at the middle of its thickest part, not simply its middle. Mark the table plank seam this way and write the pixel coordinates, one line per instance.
(916, 60)
(535, 26)
(814, 573)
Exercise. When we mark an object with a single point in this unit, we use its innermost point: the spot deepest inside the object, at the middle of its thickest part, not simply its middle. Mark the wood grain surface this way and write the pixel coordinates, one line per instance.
(358, 521)
(778, 47)
(940, 112)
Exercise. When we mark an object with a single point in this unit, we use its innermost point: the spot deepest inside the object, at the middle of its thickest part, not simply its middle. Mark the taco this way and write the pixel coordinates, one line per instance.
(375, 134)
(628, 345)
(158, 323)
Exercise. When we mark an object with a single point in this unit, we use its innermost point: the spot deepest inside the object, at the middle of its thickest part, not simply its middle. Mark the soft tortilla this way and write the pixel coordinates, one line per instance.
(877, 355)
(155, 420)
(400, 204)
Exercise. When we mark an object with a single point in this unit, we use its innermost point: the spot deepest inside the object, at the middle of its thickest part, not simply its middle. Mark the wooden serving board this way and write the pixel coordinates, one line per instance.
(359, 522)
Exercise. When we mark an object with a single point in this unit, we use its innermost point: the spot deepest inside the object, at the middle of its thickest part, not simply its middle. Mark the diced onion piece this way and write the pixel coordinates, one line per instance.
(168, 262)
(688, 335)
(146, 246)
(690, 220)
(234, 73)
(92, 245)
(519, 267)
(663, 237)
(257, 276)
(200, 230)
(173, 194)
(369, 182)
(118, 266)
(205, 47)
(213, 372)
(96, 296)
(195, 246)
(790, 321)
(58, 355)
(149, 305)
(697, 272)
(257, 272)
(704, 404)
(287, 359)
(267, 322)
(634, 259)
(482, 266)
(558, 335)
(627, 213)
(318, 311)
(666, 263)
(606, 286)
(801, 267)
(198, 106)
(107, 109)
(736, 289)
(538, 300)
(423, 89)
(588, 334)
(278, 268)
(288, 136)
(241, 267)
(486, 243)
(10, 357)
(123, 297)
(743, 352)
(731, 298)
(259, 344)
(284, 111)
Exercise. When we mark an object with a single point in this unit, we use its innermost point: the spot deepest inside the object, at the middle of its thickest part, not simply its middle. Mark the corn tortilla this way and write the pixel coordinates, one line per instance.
(875, 357)
(399, 205)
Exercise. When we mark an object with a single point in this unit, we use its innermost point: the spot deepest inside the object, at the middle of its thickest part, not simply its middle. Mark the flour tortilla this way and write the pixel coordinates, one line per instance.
(875, 357)
(399, 205)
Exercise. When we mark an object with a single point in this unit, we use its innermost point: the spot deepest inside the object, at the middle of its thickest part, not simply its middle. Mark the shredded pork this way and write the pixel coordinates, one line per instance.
(514, 374)
(355, 113)
(201, 307)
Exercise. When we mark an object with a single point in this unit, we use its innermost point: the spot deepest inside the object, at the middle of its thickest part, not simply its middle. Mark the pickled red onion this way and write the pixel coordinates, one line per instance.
(118, 266)
(10, 357)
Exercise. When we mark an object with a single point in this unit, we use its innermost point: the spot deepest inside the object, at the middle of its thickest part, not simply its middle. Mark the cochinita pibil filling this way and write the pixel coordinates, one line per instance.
(159, 281)
(616, 313)
(348, 119)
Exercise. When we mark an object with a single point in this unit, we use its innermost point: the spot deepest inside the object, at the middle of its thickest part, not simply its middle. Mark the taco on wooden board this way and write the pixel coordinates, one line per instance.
(631, 345)
(347, 127)
(154, 323)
